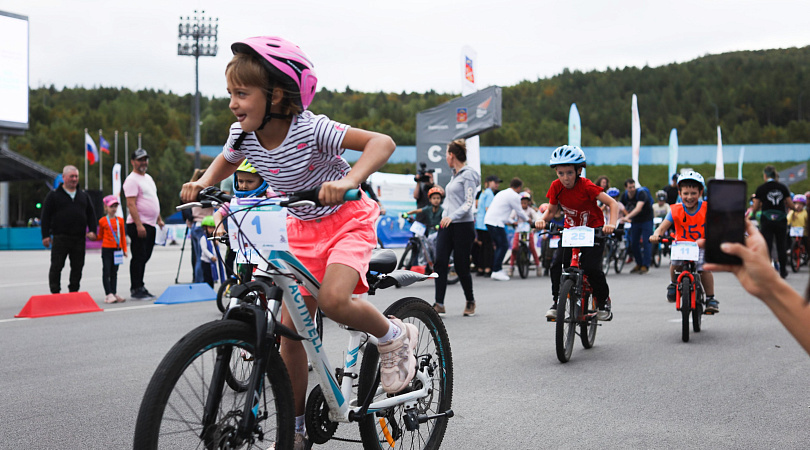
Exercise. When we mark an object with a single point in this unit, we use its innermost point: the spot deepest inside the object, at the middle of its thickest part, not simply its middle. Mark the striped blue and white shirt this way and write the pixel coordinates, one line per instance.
(309, 156)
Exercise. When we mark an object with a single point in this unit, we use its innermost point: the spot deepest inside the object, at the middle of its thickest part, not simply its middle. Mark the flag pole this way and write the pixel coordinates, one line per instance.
(116, 146)
(100, 186)
(85, 160)
(126, 168)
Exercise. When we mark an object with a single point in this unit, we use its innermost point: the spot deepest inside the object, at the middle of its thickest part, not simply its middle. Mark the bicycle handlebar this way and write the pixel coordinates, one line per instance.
(212, 196)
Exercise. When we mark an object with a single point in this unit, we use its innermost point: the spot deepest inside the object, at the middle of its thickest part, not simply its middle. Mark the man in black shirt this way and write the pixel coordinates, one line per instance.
(672, 190)
(67, 213)
(772, 197)
(638, 204)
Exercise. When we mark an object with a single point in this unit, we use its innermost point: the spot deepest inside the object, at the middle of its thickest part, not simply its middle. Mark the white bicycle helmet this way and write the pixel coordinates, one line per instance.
(567, 154)
(691, 175)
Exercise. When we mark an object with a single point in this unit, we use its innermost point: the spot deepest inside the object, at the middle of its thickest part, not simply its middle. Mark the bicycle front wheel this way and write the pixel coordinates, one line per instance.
(795, 256)
(620, 257)
(405, 260)
(656, 256)
(587, 329)
(523, 261)
(386, 428)
(607, 256)
(172, 412)
(686, 307)
(224, 294)
(566, 320)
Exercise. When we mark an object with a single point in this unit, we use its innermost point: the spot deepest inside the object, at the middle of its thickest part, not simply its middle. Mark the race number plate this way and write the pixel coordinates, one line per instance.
(523, 227)
(262, 227)
(577, 237)
(418, 228)
(685, 251)
(796, 231)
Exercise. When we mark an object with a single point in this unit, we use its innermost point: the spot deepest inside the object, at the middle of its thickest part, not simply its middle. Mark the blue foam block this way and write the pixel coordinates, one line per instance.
(187, 293)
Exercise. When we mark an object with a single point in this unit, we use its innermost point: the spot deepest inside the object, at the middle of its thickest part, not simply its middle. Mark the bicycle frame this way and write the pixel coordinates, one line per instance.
(287, 273)
(689, 271)
(582, 286)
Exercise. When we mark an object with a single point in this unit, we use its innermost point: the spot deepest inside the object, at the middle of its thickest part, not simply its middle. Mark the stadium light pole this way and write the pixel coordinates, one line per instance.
(198, 37)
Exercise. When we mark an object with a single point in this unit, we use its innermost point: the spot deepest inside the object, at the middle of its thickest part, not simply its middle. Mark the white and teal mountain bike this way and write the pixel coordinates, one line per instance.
(224, 385)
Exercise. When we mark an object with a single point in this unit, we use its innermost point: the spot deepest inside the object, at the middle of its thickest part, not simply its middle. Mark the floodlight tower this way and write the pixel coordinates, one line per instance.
(192, 31)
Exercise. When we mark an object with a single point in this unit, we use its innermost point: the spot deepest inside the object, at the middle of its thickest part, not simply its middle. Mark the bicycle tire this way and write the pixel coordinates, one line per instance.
(523, 261)
(223, 297)
(566, 321)
(620, 259)
(697, 313)
(686, 307)
(405, 259)
(174, 401)
(607, 256)
(656, 257)
(587, 329)
(795, 256)
(433, 347)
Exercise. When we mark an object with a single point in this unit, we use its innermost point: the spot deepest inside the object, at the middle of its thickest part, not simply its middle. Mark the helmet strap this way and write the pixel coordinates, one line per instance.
(268, 116)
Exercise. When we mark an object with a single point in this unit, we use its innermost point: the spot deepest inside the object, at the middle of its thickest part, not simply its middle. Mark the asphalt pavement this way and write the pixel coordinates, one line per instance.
(76, 381)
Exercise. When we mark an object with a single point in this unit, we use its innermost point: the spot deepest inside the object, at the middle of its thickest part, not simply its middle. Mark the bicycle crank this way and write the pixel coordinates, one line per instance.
(319, 428)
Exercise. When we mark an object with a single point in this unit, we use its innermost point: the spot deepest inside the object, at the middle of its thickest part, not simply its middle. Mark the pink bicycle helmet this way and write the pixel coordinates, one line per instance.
(286, 62)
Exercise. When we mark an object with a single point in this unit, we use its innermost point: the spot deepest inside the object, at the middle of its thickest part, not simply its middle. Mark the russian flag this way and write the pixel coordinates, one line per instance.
(90, 148)
(105, 146)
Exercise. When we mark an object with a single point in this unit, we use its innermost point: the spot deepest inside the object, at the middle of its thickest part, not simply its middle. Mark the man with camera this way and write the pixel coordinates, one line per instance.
(424, 181)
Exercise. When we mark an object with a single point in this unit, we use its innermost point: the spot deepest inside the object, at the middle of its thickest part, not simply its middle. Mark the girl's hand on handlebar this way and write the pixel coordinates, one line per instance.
(190, 190)
(332, 192)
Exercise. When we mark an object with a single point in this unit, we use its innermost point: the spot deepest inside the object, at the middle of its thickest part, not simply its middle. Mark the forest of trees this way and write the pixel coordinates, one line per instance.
(755, 96)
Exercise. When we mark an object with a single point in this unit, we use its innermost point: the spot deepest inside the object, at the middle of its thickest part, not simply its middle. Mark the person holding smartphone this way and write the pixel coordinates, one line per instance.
(689, 219)
(773, 197)
(756, 275)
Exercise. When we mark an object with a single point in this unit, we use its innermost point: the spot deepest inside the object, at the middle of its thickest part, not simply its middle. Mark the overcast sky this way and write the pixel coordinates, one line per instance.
(411, 45)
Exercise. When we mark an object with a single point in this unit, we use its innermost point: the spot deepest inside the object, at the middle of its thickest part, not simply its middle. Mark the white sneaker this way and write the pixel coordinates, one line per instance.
(500, 276)
(397, 362)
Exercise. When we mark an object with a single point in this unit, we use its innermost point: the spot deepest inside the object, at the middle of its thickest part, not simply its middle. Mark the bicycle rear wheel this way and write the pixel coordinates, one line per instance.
(587, 329)
(686, 307)
(433, 355)
(523, 261)
(566, 320)
(172, 410)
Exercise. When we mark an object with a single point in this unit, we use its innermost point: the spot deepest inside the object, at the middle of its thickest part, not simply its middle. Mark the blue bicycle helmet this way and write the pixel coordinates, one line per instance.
(567, 154)
(613, 192)
(247, 167)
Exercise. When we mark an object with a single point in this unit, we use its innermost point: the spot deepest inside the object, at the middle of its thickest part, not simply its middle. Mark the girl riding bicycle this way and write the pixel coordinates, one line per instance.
(577, 196)
(271, 83)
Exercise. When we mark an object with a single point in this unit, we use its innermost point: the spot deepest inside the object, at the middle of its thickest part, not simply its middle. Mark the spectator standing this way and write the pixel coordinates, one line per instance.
(773, 197)
(484, 266)
(638, 204)
(457, 227)
(112, 234)
(423, 185)
(144, 215)
(502, 205)
(672, 190)
(67, 214)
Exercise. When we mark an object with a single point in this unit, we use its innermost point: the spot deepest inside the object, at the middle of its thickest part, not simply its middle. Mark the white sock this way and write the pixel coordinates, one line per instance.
(393, 332)
(300, 426)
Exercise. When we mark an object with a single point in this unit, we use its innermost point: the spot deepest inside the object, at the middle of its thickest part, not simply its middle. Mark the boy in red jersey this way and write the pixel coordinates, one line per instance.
(689, 219)
(577, 197)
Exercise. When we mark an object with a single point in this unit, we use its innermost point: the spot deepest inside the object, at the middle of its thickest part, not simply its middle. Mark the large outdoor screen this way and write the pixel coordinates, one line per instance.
(13, 73)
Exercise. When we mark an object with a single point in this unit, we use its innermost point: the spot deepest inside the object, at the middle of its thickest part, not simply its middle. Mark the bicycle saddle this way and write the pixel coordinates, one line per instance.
(382, 261)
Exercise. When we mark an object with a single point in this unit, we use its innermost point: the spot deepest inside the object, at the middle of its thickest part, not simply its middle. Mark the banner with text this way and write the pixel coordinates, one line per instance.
(459, 118)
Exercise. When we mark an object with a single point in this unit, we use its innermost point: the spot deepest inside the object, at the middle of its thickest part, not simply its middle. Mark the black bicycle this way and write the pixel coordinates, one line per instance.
(615, 251)
(418, 247)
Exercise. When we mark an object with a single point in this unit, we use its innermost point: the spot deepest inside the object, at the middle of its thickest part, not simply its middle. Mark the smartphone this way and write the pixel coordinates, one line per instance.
(725, 218)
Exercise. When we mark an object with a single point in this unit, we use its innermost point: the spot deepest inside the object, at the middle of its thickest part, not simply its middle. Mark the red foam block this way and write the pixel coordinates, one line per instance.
(59, 305)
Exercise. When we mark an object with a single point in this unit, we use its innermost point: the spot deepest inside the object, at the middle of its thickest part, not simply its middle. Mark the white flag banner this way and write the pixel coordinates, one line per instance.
(740, 163)
(673, 154)
(636, 138)
(116, 187)
(719, 171)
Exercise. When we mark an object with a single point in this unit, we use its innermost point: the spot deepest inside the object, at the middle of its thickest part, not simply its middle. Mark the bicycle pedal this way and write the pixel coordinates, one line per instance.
(549, 319)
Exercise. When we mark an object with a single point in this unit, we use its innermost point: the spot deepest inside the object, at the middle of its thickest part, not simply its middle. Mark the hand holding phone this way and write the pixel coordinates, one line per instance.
(725, 219)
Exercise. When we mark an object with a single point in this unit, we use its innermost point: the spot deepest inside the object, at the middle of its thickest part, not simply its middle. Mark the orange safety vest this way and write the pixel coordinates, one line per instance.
(688, 227)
